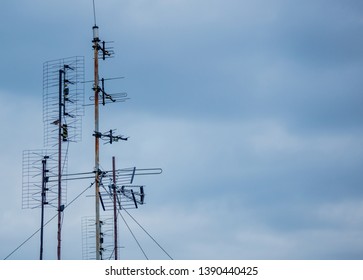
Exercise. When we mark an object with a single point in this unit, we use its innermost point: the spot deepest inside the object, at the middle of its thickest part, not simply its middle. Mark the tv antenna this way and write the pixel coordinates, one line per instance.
(63, 100)
(37, 191)
(105, 97)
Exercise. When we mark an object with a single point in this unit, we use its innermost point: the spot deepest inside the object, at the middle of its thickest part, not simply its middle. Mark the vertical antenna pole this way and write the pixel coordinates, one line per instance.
(94, 13)
(97, 159)
(61, 72)
(114, 205)
(44, 168)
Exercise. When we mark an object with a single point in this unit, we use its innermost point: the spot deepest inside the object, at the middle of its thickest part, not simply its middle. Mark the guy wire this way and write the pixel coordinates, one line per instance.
(17, 248)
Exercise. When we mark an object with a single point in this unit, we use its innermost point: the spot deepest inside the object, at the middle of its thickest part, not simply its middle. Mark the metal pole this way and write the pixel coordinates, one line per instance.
(97, 156)
(114, 205)
(61, 72)
(44, 162)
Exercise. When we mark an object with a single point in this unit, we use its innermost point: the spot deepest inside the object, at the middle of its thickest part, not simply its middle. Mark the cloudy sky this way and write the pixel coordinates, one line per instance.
(252, 108)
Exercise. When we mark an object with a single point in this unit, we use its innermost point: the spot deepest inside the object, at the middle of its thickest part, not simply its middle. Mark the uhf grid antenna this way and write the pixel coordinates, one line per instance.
(107, 238)
(33, 174)
(63, 99)
(37, 190)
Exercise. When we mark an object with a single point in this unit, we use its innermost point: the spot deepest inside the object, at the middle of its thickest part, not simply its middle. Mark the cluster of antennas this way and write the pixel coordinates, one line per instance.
(44, 171)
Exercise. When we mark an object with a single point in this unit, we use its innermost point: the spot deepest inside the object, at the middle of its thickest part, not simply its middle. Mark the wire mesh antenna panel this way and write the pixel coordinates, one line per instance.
(65, 75)
(33, 176)
(89, 234)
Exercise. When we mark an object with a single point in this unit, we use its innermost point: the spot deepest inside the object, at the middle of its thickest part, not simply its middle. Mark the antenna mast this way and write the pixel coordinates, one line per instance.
(60, 128)
(96, 47)
(117, 191)
(114, 192)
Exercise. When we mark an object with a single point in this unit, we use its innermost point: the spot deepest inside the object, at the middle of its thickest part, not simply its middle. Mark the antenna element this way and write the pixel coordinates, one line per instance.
(94, 12)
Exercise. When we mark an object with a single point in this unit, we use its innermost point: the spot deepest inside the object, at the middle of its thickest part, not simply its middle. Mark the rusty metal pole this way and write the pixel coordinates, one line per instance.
(114, 205)
(61, 73)
(97, 147)
(44, 182)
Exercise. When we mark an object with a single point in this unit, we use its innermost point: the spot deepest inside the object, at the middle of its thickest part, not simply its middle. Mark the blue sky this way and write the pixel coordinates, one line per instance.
(252, 109)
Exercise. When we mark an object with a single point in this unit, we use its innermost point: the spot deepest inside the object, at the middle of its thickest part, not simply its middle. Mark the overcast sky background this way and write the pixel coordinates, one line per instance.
(252, 108)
